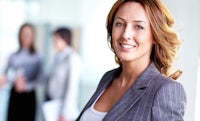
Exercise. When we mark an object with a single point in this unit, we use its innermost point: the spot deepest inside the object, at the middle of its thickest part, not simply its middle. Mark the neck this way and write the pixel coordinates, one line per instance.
(63, 48)
(131, 71)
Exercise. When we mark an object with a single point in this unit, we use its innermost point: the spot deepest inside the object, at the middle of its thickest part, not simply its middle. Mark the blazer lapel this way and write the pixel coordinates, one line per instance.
(104, 83)
(133, 94)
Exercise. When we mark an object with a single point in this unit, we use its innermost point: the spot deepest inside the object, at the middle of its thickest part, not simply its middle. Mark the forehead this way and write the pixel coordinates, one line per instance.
(27, 28)
(132, 11)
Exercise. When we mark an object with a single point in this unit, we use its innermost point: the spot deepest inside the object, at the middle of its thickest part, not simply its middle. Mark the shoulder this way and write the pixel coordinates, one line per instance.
(168, 82)
(75, 56)
(111, 73)
(13, 56)
(169, 86)
(75, 60)
(169, 101)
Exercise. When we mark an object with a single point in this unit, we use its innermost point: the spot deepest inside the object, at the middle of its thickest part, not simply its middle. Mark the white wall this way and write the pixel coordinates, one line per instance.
(60, 12)
(187, 19)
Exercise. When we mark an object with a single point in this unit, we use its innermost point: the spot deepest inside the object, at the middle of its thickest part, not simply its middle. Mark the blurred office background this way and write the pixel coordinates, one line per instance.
(87, 20)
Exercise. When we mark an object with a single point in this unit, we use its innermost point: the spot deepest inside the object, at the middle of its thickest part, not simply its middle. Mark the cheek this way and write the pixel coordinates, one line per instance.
(115, 36)
(114, 42)
(147, 45)
(116, 33)
(59, 44)
(56, 43)
(29, 42)
(146, 38)
(26, 42)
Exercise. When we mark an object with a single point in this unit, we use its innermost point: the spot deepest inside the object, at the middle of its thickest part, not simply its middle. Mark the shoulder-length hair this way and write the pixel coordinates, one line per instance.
(32, 47)
(166, 39)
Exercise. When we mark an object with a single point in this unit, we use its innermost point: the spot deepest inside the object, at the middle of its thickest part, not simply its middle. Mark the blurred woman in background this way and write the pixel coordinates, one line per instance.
(26, 66)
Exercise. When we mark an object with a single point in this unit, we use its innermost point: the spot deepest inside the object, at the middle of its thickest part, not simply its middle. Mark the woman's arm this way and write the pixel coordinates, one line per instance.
(169, 103)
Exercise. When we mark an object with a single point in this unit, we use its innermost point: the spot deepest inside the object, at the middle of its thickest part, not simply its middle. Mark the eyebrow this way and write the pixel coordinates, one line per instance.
(133, 20)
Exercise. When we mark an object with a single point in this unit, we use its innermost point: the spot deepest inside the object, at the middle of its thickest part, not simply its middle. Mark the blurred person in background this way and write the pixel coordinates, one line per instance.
(63, 83)
(26, 66)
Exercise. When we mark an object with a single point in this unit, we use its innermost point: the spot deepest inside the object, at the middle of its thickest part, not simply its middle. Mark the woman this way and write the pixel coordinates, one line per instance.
(142, 88)
(64, 79)
(28, 71)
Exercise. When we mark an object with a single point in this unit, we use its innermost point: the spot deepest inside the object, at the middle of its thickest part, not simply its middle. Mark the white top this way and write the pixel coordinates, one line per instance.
(92, 114)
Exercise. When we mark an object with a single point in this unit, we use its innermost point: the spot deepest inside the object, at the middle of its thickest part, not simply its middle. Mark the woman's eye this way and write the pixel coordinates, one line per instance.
(139, 27)
(118, 24)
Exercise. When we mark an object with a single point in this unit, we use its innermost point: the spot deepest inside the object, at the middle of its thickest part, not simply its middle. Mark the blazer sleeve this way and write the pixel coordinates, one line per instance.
(169, 103)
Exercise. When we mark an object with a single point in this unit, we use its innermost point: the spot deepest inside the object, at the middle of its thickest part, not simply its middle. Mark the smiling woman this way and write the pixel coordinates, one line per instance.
(140, 89)
(161, 25)
(131, 35)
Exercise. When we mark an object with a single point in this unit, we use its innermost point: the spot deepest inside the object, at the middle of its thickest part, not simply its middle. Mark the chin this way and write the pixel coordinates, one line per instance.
(128, 59)
(126, 56)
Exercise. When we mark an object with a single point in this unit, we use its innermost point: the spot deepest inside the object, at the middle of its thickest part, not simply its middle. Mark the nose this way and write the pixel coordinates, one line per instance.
(128, 33)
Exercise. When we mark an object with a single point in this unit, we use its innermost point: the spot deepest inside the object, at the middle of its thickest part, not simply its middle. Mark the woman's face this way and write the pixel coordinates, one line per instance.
(26, 36)
(60, 44)
(131, 34)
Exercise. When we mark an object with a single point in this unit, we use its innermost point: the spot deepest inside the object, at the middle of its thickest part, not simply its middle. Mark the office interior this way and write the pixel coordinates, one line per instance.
(87, 20)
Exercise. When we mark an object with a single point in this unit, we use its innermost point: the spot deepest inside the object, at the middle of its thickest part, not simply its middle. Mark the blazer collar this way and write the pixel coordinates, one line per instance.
(145, 78)
(142, 81)
(61, 56)
(133, 94)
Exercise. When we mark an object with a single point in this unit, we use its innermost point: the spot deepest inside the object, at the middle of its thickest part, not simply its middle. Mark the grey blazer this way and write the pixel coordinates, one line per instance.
(153, 97)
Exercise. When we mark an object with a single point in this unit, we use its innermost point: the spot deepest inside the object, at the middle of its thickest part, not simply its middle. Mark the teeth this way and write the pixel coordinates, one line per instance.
(127, 46)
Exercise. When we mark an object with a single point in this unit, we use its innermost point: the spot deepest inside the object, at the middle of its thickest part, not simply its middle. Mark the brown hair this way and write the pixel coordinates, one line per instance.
(32, 47)
(65, 34)
(166, 39)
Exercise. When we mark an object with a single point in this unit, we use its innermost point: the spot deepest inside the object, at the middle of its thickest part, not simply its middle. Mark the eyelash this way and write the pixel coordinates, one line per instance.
(138, 27)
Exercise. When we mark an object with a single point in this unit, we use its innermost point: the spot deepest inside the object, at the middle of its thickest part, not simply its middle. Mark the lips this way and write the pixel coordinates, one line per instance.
(127, 46)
